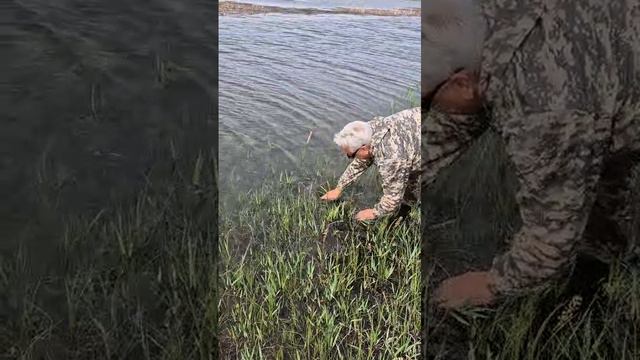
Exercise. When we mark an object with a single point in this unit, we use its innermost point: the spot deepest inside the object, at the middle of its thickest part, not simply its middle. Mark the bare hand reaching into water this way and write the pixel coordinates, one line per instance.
(332, 195)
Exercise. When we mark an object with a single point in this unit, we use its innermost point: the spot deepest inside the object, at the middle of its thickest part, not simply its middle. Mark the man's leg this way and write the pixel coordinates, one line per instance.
(612, 229)
(411, 196)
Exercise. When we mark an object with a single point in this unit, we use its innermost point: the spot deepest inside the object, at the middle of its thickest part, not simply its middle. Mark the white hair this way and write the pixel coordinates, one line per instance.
(354, 135)
(453, 33)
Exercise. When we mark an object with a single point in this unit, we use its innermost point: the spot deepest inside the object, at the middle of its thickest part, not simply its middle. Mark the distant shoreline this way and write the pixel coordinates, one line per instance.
(236, 8)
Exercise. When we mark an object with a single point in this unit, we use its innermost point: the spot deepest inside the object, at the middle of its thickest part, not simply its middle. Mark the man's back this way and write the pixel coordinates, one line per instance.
(398, 136)
(580, 56)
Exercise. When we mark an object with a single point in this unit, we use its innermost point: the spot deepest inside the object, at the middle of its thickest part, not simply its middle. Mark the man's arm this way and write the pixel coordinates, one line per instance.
(355, 169)
(558, 157)
(445, 138)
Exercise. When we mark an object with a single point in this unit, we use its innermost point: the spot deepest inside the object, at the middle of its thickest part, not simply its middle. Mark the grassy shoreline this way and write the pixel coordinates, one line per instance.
(301, 279)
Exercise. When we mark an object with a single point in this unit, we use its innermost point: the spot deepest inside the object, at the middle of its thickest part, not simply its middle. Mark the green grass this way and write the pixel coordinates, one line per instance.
(471, 211)
(547, 325)
(136, 281)
(291, 289)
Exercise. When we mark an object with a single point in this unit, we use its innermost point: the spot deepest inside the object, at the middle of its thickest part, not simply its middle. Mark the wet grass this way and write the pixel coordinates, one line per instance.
(302, 280)
(136, 281)
(594, 314)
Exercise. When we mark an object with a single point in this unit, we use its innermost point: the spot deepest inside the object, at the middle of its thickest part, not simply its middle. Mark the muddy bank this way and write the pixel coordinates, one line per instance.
(236, 8)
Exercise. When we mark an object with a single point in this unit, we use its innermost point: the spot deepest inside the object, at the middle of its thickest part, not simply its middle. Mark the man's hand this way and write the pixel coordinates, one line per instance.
(332, 195)
(471, 288)
(366, 214)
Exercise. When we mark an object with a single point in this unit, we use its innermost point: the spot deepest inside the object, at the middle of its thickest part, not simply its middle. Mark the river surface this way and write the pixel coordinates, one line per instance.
(283, 77)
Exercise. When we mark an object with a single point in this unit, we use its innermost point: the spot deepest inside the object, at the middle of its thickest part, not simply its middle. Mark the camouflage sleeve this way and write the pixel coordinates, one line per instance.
(444, 138)
(558, 158)
(395, 175)
(356, 168)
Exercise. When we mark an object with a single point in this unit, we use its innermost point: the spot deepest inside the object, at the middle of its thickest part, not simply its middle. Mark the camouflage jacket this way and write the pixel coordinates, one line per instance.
(562, 93)
(396, 153)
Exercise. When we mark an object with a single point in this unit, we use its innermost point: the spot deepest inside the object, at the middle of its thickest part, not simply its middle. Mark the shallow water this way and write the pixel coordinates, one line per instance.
(284, 77)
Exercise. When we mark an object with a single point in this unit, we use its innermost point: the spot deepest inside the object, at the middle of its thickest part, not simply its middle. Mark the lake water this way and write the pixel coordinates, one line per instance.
(283, 76)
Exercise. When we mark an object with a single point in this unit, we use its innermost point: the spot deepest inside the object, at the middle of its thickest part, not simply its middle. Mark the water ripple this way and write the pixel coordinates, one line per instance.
(281, 76)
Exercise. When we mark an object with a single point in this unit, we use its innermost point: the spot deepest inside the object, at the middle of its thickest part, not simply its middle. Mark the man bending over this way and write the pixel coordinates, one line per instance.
(391, 143)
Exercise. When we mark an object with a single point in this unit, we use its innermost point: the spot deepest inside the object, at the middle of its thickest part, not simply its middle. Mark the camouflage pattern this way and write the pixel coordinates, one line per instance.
(445, 138)
(396, 153)
(562, 92)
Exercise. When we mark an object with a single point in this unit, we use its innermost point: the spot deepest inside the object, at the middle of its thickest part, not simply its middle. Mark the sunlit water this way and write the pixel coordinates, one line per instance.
(284, 77)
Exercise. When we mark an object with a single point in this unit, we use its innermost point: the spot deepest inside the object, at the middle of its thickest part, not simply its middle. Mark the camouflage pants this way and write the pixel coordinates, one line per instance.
(412, 192)
(613, 227)
(411, 196)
